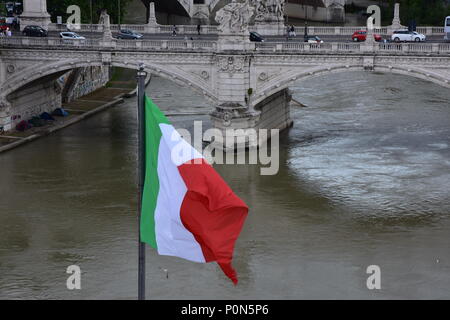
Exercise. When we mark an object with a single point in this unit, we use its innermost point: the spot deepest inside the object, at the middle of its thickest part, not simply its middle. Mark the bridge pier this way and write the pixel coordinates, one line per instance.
(241, 126)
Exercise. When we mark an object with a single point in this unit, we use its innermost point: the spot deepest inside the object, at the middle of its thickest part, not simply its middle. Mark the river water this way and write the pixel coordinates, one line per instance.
(364, 180)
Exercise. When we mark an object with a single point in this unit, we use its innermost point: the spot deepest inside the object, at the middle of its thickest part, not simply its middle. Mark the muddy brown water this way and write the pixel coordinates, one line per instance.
(364, 180)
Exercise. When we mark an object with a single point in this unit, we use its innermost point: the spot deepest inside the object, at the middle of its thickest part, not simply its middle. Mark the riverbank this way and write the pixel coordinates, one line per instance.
(122, 85)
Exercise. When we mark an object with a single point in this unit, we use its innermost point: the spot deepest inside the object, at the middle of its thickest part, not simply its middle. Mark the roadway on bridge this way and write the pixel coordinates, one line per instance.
(213, 37)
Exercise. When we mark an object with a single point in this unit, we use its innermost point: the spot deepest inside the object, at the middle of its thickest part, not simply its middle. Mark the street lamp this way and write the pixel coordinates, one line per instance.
(306, 22)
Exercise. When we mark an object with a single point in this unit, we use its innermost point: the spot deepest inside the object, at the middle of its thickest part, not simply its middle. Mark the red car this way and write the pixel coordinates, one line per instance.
(361, 35)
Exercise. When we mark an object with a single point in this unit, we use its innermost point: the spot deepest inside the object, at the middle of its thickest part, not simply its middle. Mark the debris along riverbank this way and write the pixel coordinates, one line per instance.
(79, 109)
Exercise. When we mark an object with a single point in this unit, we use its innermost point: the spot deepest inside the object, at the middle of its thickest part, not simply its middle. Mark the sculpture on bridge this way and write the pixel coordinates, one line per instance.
(269, 10)
(235, 17)
(105, 22)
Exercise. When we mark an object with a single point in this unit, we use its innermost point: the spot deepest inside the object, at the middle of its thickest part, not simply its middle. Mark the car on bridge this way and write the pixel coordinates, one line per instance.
(256, 37)
(34, 31)
(361, 35)
(129, 34)
(313, 39)
(406, 36)
(71, 36)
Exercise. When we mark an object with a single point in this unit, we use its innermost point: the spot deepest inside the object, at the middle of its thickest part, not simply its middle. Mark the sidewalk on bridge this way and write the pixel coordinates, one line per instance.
(122, 85)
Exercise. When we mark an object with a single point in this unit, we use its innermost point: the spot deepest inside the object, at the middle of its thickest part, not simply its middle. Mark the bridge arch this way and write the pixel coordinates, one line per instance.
(33, 73)
(288, 78)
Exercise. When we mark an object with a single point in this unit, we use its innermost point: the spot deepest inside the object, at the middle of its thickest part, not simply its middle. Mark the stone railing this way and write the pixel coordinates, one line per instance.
(211, 29)
(168, 45)
(204, 45)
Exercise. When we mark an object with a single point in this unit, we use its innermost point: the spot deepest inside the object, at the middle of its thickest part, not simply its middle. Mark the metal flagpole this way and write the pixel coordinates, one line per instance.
(141, 75)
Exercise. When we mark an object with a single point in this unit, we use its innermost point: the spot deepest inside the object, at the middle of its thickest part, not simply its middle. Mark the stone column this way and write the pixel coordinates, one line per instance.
(396, 21)
(233, 71)
(152, 24)
(35, 13)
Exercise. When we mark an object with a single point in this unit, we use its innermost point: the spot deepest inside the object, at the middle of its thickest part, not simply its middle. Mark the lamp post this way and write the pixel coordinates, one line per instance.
(141, 75)
(306, 22)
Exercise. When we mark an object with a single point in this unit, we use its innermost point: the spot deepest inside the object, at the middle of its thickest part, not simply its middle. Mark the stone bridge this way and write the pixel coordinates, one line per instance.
(246, 88)
(246, 83)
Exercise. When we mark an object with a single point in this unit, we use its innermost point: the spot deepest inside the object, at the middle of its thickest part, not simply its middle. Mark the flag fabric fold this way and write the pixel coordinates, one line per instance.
(188, 210)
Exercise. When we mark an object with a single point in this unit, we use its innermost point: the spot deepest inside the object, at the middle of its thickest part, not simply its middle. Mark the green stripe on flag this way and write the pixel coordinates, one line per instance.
(153, 118)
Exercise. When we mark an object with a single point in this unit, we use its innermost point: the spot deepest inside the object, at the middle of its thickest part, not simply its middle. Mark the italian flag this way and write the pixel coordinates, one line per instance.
(188, 211)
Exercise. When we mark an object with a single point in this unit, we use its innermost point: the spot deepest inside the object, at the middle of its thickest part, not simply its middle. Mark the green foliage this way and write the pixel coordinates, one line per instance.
(424, 12)
(59, 7)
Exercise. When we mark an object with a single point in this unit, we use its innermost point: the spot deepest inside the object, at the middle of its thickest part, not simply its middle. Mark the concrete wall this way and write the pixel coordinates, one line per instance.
(85, 81)
(45, 95)
(39, 97)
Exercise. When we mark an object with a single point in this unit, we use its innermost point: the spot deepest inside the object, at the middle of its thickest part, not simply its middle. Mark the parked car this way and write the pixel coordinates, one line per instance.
(313, 39)
(361, 35)
(129, 34)
(34, 31)
(406, 35)
(256, 37)
(71, 35)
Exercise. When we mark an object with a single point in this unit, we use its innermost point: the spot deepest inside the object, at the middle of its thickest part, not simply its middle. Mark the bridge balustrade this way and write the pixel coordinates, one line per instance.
(205, 45)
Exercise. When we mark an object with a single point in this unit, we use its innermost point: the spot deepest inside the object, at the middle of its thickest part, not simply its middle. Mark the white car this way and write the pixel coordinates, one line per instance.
(313, 39)
(406, 35)
(71, 35)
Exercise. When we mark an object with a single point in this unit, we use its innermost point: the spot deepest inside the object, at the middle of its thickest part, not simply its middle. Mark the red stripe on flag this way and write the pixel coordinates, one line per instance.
(212, 213)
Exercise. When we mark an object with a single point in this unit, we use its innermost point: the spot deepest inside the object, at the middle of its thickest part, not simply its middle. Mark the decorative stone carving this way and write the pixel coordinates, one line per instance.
(269, 10)
(235, 17)
(232, 64)
(10, 68)
(205, 75)
(263, 76)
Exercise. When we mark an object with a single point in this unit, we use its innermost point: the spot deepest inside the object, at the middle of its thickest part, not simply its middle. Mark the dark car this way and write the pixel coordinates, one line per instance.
(256, 37)
(129, 34)
(34, 31)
